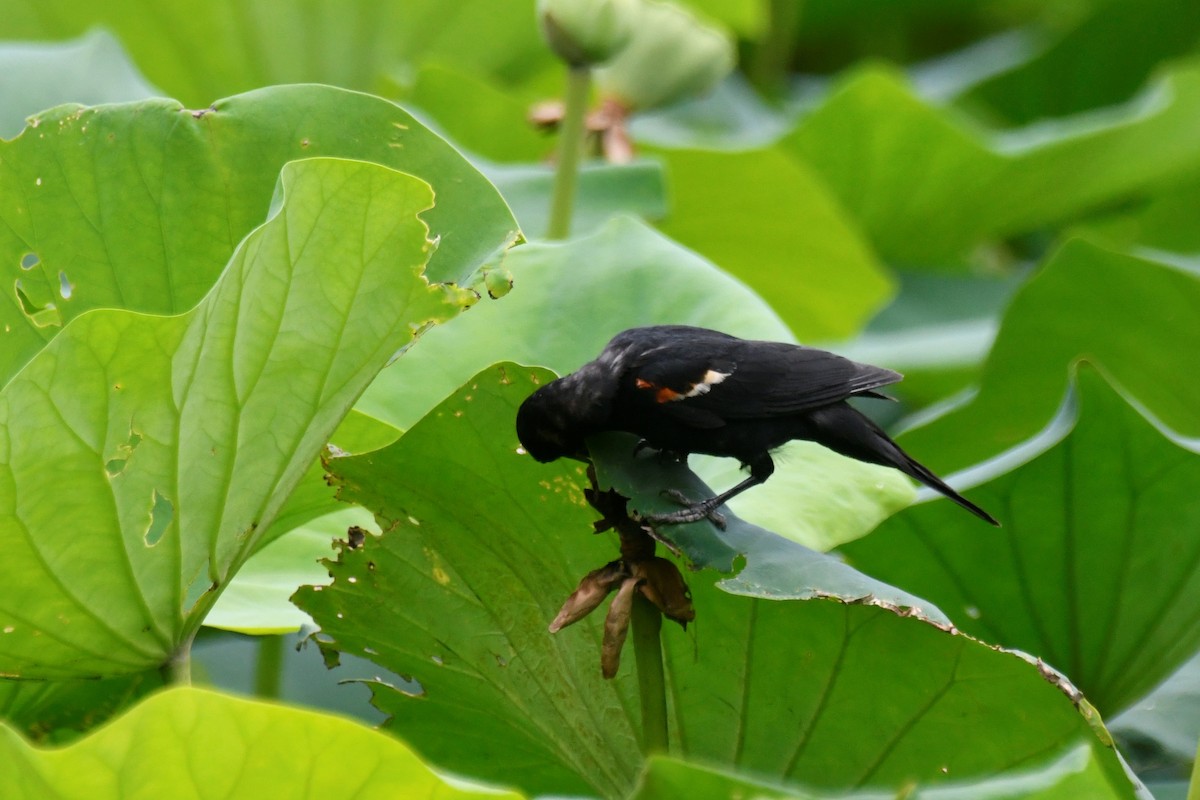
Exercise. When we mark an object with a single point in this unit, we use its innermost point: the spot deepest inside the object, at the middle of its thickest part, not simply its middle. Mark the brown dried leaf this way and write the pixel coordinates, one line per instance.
(616, 625)
(592, 590)
(665, 587)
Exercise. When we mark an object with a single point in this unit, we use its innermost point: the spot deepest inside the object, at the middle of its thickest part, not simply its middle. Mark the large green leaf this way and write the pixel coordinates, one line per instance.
(1097, 568)
(1102, 59)
(835, 33)
(55, 712)
(197, 743)
(767, 218)
(1079, 773)
(927, 188)
(1136, 317)
(140, 206)
(90, 70)
(481, 545)
(199, 52)
(490, 525)
(142, 457)
(570, 298)
(1165, 224)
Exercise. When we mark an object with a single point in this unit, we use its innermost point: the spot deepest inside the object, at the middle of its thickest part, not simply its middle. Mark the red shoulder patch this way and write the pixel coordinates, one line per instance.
(666, 394)
(662, 394)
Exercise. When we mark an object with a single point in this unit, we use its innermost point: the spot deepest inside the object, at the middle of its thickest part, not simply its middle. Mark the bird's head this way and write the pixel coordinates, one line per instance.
(547, 428)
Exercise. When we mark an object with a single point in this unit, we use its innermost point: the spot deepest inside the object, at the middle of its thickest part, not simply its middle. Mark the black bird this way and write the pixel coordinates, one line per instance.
(692, 390)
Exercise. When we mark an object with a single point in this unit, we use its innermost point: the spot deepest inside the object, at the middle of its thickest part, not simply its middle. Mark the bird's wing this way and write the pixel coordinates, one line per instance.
(747, 380)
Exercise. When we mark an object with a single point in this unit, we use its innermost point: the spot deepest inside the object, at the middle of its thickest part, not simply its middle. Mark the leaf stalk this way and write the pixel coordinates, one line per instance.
(652, 688)
(268, 667)
(177, 670)
(570, 151)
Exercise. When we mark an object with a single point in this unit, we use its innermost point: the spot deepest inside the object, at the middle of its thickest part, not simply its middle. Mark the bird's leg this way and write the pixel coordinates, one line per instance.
(761, 468)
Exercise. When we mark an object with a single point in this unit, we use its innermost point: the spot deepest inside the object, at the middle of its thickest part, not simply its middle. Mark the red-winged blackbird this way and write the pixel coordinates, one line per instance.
(691, 390)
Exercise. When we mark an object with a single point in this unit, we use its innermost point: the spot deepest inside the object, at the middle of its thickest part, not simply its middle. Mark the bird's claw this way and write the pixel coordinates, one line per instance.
(692, 512)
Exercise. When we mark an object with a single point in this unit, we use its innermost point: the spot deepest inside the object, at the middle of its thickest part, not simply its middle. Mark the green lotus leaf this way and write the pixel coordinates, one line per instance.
(480, 547)
(223, 47)
(1102, 59)
(142, 458)
(1137, 317)
(56, 712)
(804, 255)
(1095, 569)
(193, 742)
(928, 188)
(140, 206)
(1079, 773)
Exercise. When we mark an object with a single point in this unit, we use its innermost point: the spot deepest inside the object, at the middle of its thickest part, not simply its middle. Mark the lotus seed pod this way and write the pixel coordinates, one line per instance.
(587, 32)
(671, 56)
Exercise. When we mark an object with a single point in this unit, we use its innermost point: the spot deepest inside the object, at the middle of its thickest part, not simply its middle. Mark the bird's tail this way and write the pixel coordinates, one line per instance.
(847, 431)
(910, 466)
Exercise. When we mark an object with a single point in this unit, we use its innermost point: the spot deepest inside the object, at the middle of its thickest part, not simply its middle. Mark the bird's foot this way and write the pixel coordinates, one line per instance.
(692, 511)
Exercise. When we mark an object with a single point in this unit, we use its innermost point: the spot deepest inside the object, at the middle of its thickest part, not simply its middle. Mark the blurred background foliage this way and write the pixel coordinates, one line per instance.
(982, 195)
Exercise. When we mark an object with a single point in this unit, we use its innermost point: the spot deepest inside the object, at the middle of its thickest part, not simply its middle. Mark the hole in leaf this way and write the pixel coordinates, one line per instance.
(65, 287)
(116, 464)
(41, 315)
(414, 690)
(30, 260)
(27, 306)
(162, 511)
